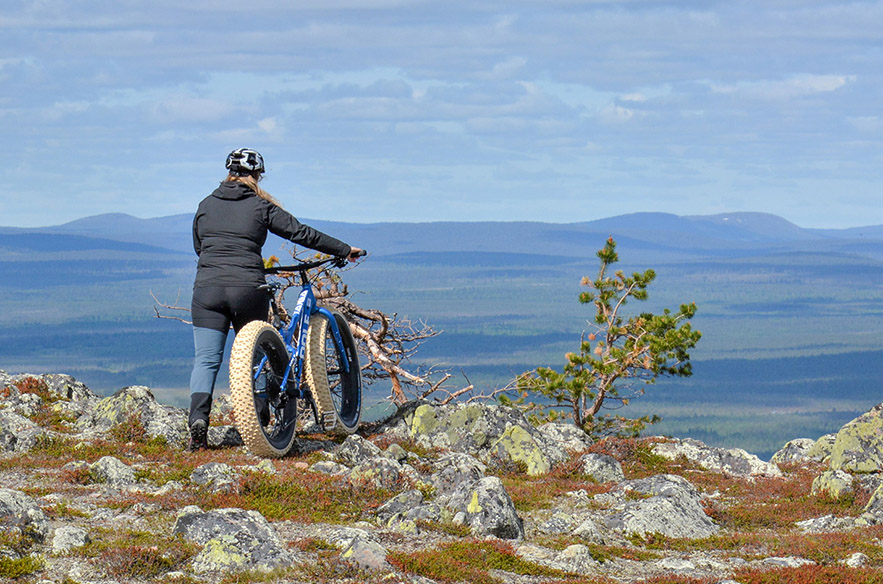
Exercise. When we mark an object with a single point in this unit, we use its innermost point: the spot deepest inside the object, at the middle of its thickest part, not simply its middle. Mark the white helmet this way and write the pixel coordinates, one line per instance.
(244, 161)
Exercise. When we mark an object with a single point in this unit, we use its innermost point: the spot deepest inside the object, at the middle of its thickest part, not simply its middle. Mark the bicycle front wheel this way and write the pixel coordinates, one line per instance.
(337, 392)
(265, 415)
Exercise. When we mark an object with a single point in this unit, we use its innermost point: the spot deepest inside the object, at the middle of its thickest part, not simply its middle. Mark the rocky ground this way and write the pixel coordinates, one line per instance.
(102, 490)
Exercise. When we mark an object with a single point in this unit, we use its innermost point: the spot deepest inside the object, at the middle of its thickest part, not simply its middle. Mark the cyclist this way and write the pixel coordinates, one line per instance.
(229, 230)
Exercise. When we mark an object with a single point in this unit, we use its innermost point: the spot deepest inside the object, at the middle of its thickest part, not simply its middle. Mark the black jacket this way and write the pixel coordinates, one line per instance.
(230, 228)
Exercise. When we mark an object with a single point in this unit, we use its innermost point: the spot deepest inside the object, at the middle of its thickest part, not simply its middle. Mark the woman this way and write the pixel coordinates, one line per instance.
(229, 230)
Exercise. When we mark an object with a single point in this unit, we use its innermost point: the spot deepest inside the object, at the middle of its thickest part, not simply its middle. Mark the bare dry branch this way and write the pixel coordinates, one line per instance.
(158, 306)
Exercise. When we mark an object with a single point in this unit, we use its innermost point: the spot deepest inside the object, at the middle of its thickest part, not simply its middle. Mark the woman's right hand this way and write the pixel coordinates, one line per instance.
(356, 253)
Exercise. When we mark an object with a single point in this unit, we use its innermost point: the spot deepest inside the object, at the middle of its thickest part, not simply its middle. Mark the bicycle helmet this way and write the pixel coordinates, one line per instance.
(244, 162)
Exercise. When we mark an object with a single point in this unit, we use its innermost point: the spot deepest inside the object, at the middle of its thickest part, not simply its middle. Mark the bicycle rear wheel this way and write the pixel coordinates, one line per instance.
(338, 393)
(265, 415)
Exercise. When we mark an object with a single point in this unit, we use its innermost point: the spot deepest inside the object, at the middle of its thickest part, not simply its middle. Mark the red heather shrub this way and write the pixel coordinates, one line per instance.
(811, 575)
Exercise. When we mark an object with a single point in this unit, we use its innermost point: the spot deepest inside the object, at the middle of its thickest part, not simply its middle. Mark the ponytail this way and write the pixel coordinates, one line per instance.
(252, 182)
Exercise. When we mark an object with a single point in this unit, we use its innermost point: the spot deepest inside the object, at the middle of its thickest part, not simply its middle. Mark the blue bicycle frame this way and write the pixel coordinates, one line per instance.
(299, 323)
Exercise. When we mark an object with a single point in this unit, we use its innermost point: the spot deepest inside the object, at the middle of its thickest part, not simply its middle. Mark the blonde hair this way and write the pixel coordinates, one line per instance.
(252, 182)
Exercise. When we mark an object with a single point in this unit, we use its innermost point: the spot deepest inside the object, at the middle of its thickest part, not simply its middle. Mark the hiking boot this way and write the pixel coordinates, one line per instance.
(198, 435)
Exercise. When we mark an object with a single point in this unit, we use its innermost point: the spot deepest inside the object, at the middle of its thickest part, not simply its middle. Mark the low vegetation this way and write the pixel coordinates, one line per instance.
(757, 517)
(469, 560)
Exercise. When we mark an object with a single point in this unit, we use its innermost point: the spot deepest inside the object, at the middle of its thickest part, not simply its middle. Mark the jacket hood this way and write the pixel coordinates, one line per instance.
(232, 190)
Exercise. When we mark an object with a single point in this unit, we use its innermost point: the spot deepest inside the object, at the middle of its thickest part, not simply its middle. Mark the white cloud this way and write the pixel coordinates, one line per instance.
(636, 97)
(615, 114)
(785, 89)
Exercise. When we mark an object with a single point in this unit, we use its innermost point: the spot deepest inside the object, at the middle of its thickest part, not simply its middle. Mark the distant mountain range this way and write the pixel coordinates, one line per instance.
(662, 234)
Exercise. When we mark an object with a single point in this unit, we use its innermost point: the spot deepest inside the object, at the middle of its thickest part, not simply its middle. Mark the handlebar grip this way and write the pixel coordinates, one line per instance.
(358, 254)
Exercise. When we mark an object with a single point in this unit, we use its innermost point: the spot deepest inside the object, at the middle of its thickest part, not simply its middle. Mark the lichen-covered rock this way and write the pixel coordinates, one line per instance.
(874, 507)
(521, 447)
(17, 433)
(733, 461)
(355, 450)
(53, 384)
(399, 504)
(66, 387)
(221, 554)
(111, 470)
(822, 448)
(835, 484)
(795, 450)
(567, 436)
(215, 476)
(20, 514)
(366, 554)
(329, 467)
(592, 531)
(827, 523)
(574, 559)
(787, 562)
(67, 538)
(224, 436)
(672, 507)
(493, 434)
(396, 452)
(556, 524)
(453, 470)
(381, 472)
(601, 468)
(858, 446)
(487, 509)
(343, 537)
(136, 401)
(232, 539)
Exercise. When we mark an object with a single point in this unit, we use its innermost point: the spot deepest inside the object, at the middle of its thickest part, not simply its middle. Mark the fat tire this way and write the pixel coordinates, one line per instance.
(254, 340)
(339, 404)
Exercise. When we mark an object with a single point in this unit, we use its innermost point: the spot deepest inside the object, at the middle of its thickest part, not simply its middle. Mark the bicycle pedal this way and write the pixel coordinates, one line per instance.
(329, 420)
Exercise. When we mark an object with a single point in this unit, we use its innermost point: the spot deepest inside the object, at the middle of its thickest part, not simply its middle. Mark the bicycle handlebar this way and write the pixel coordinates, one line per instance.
(338, 262)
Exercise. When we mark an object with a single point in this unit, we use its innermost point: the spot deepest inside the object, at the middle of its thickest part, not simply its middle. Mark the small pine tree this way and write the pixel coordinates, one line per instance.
(622, 354)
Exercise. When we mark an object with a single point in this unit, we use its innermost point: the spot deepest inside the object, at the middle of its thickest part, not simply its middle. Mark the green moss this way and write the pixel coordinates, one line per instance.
(18, 567)
(63, 510)
(17, 542)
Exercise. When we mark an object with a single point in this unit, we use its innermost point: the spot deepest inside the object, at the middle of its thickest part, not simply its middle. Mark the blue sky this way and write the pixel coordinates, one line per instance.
(405, 110)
